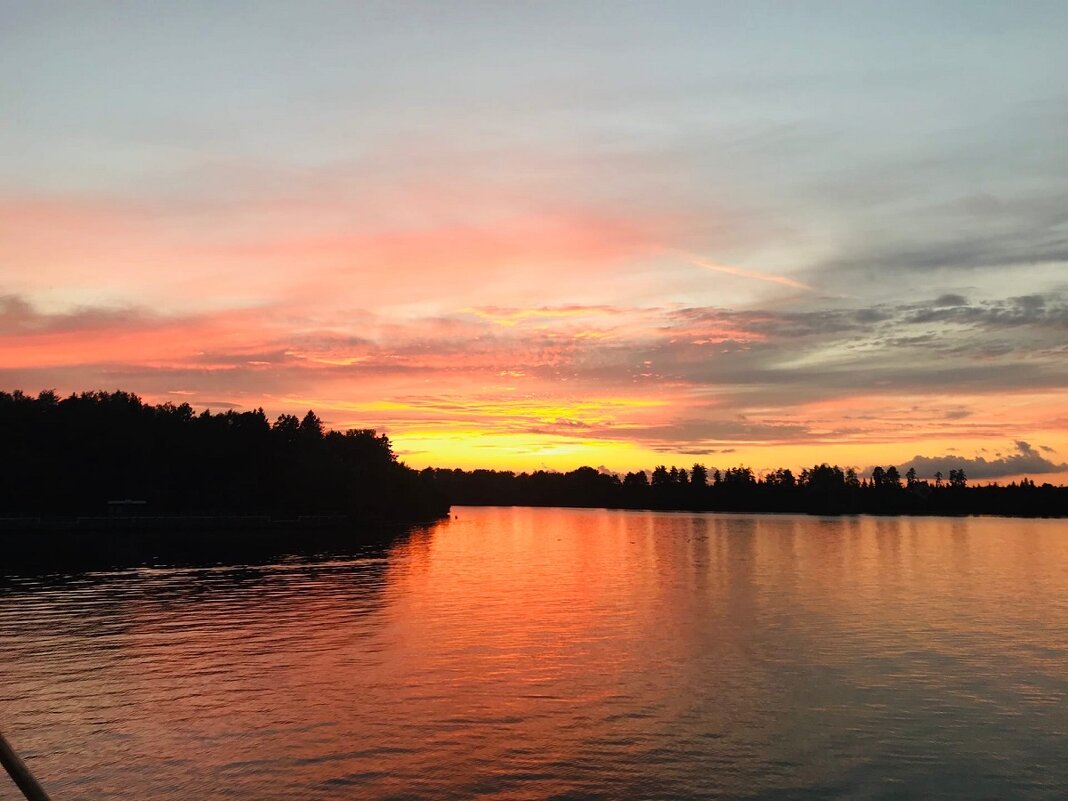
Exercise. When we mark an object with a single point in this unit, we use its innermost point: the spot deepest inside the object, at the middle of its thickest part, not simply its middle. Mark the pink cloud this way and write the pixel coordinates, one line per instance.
(311, 258)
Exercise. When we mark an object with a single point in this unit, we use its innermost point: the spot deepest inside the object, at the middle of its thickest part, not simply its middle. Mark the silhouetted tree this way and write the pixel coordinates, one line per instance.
(698, 476)
(739, 476)
(780, 477)
(660, 476)
(311, 425)
(892, 478)
(878, 477)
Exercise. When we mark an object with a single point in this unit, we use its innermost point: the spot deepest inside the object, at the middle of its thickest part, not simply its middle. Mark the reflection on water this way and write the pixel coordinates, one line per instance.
(522, 653)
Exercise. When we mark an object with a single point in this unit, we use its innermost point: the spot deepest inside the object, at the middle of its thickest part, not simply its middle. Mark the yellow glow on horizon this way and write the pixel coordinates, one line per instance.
(497, 427)
(519, 452)
(471, 448)
(493, 412)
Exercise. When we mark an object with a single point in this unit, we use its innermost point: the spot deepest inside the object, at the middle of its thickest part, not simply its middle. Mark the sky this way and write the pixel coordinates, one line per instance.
(545, 235)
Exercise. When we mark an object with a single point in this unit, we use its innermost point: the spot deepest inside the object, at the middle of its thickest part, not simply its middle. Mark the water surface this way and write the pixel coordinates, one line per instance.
(551, 653)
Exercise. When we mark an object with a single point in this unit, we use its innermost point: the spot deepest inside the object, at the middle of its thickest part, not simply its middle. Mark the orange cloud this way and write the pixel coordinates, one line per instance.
(124, 336)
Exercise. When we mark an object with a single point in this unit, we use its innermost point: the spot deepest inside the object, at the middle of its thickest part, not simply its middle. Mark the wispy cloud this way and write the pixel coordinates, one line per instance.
(756, 275)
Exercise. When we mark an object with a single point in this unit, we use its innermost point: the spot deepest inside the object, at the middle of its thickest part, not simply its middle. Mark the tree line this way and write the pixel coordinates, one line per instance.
(71, 456)
(68, 457)
(820, 489)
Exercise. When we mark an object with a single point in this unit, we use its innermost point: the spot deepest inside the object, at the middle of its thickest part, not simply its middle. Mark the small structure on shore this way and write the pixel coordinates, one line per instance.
(125, 508)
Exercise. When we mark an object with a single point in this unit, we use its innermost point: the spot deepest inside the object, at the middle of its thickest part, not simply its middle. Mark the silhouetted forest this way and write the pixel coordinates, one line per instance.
(75, 456)
(821, 489)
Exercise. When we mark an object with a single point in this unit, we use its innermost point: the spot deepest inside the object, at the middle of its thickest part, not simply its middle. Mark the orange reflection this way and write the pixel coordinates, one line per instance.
(527, 653)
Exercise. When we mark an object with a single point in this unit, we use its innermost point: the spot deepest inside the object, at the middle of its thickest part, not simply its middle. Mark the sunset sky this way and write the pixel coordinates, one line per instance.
(523, 235)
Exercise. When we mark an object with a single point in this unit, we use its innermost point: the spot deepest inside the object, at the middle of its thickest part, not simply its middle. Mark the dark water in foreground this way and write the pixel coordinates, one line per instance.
(522, 653)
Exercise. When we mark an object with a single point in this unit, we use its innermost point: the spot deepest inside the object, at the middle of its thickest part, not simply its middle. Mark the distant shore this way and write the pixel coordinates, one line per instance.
(825, 490)
(783, 512)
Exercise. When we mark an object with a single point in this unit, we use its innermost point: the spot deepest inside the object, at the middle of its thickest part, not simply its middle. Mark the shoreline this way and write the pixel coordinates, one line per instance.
(775, 512)
(219, 524)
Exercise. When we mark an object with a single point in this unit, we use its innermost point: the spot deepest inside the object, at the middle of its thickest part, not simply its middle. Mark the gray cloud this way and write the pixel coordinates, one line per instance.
(18, 316)
(1040, 245)
(1034, 310)
(1025, 461)
(950, 300)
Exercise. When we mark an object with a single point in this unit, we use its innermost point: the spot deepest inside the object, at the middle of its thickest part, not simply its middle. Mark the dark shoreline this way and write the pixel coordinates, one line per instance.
(777, 512)
(217, 523)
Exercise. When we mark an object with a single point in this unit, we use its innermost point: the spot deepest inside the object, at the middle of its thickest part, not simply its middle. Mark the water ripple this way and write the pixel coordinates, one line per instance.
(519, 653)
